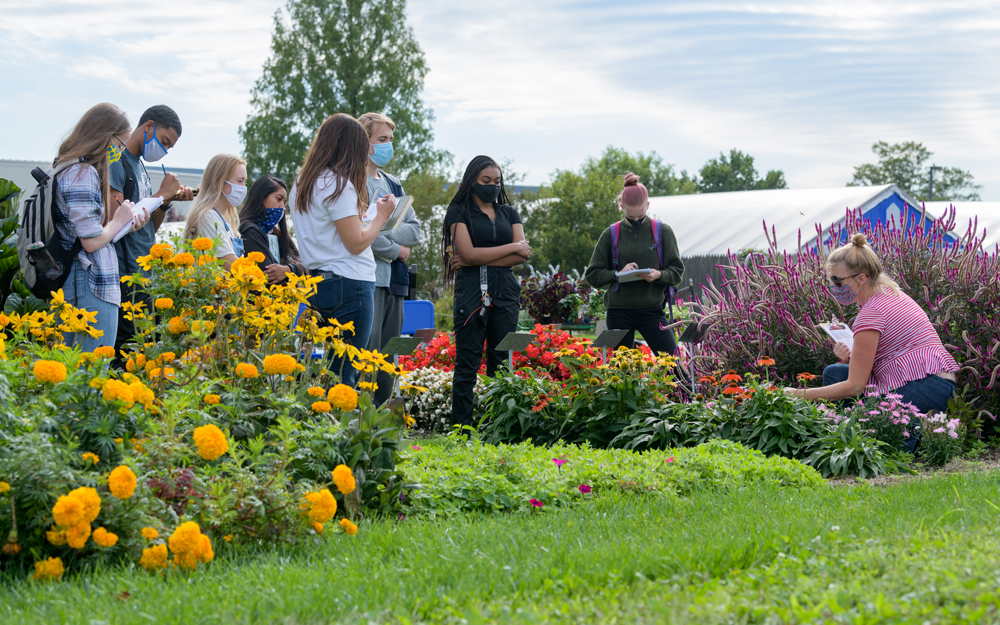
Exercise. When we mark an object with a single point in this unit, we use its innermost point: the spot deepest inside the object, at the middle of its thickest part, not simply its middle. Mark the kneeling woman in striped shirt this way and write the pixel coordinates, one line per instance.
(896, 349)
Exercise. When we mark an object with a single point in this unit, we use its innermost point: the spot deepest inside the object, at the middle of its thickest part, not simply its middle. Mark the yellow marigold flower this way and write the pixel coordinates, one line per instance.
(56, 536)
(4, 320)
(203, 550)
(149, 533)
(316, 391)
(202, 244)
(104, 538)
(344, 479)
(154, 557)
(318, 527)
(211, 443)
(163, 303)
(184, 259)
(246, 371)
(77, 535)
(167, 357)
(279, 364)
(349, 528)
(142, 393)
(256, 257)
(228, 538)
(91, 502)
(185, 537)
(323, 505)
(90, 457)
(49, 371)
(122, 482)
(177, 325)
(321, 406)
(105, 351)
(135, 362)
(97, 383)
(68, 511)
(161, 251)
(343, 397)
(211, 399)
(118, 390)
(4, 487)
(49, 570)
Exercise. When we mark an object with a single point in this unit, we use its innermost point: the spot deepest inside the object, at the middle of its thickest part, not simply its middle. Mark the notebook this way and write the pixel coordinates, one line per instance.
(398, 216)
(149, 205)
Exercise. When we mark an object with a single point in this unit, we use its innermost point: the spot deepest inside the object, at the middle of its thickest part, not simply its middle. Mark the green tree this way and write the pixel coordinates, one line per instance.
(904, 164)
(736, 172)
(338, 56)
(564, 220)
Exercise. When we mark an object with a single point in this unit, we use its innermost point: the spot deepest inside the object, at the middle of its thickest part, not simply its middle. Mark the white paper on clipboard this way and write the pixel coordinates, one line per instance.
(148, 205)
(840, 332)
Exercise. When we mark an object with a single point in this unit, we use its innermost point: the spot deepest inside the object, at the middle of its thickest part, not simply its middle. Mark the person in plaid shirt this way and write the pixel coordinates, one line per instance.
(92, 283)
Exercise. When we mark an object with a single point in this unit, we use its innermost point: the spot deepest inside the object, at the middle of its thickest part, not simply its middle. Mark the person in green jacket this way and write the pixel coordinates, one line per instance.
(638, 304)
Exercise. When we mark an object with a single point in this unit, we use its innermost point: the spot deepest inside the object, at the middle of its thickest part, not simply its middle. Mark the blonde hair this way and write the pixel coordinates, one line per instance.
(368, 121)
(860, 258)
(213, 182)
(90, 140)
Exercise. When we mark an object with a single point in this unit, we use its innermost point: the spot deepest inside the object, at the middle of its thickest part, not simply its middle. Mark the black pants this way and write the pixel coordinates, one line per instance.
(471, 329)
(650, 322)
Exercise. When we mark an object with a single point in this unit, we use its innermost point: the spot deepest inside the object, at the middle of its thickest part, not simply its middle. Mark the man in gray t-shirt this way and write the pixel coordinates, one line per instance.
(158, 130)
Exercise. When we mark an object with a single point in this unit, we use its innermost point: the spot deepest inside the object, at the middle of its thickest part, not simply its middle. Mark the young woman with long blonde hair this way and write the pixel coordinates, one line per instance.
(93, 281)
(215, 213)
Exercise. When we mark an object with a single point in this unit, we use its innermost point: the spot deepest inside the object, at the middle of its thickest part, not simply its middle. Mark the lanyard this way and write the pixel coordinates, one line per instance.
(484, 286)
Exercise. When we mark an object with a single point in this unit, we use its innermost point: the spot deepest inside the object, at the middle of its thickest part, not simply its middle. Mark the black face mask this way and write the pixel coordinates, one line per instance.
(487, 192)
(636, 222)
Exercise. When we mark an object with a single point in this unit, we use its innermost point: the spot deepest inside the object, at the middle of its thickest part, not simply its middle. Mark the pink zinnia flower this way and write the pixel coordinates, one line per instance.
(584, 488)
(535, 503)
(670, 459)
(559, 461)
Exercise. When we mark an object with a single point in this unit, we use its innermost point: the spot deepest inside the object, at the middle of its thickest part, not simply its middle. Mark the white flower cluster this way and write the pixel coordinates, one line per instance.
(432, 410)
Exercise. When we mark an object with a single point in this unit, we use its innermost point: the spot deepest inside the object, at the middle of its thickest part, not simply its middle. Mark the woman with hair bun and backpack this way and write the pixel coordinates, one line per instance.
(637, 242)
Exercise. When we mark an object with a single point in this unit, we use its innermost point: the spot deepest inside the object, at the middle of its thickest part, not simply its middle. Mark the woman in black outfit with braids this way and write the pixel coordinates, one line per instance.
(482, 239)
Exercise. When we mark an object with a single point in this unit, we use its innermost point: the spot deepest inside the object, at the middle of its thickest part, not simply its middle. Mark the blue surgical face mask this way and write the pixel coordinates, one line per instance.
(270, 219)
(383, 154)
(152, 149)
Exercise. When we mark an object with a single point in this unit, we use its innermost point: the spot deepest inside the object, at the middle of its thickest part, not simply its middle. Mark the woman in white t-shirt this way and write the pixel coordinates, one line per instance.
(328, 208)
(215, 213)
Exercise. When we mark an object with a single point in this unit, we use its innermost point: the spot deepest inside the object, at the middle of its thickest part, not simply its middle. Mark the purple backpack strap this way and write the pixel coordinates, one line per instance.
(658, 241)
(616, 229)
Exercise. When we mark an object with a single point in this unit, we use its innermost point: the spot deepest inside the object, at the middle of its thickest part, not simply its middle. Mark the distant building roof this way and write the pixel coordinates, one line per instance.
(716, 223)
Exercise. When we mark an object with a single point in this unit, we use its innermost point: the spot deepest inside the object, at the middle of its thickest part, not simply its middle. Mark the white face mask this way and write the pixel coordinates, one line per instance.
(237, 195)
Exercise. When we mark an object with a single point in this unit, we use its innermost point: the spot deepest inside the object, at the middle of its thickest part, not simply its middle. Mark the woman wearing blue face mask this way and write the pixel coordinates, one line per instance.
(264, 227)
(214, 214)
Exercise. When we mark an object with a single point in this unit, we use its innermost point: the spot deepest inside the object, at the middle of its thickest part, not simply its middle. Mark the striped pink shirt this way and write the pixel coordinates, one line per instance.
(908, 346)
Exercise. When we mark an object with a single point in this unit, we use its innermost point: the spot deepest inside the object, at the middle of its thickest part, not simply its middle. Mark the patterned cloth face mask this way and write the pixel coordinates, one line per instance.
(271, 218)
(842, 292)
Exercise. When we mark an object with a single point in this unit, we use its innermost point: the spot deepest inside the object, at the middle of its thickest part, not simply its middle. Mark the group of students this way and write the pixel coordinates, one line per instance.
(341, 199)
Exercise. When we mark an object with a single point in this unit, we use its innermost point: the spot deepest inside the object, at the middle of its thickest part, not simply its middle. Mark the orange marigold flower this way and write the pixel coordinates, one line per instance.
(211, 399)
(343, 397)
(321, 406)
(177, 325)
(161, 251)
(104, 538)
(149, 533)
(202, 244)
(246, 371)
(49, 371)
(49, 570)
(316, 391)
(344, 479)
(349, 528)
(211, 443)
(279, 364)
(164, 303)
(184, 259)
(154, 557)
(105, 351)
(77, 535)
(122, 482)
(90, 457)
(322, 506)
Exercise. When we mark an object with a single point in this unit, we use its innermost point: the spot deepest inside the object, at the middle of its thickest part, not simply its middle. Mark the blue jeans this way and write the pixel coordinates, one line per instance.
(928, 393)
(76, 291)
(342, 299)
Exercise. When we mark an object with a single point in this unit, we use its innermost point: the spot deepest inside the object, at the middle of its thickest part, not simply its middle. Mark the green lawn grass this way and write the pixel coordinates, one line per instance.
(920, 551)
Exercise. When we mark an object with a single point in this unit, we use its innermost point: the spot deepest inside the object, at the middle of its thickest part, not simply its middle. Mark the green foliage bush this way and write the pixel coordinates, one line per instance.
(456, 475)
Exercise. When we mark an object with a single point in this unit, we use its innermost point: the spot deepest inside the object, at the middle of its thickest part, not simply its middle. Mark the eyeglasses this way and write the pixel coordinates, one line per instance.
(838, 282)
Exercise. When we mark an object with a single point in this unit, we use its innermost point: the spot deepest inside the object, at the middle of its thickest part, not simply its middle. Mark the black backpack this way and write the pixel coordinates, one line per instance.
(44, 261)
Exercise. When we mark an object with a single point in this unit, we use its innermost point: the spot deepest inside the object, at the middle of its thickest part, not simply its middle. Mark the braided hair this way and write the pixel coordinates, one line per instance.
(464, 198)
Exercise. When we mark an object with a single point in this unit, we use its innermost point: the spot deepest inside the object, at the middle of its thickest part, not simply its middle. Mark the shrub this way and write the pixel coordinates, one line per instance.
(432, 409)
(940, 439)
(544, 295)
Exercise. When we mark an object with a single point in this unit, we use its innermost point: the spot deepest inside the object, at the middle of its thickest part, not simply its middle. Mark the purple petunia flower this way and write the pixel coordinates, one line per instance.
(559, 462)
(584, 488)
(536, 503)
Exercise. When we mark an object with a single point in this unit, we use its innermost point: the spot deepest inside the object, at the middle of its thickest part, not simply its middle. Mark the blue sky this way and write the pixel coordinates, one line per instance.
(804, 86)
